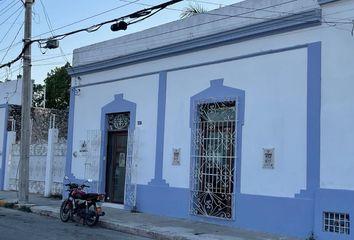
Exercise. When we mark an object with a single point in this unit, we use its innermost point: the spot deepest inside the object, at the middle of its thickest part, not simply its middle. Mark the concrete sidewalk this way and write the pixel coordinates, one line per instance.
(147, 225)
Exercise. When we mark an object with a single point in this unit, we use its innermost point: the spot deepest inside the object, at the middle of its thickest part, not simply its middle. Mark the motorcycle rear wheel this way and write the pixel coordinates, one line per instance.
(65, 211)
(93, 217)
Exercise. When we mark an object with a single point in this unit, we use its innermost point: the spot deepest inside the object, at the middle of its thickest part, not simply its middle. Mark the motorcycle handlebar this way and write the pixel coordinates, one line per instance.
(75, 185)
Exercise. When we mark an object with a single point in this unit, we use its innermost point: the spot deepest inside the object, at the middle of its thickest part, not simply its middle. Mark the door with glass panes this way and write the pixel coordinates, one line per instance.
(116, 157)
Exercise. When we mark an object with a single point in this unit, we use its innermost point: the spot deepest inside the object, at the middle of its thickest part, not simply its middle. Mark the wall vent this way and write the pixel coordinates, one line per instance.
(336, 222)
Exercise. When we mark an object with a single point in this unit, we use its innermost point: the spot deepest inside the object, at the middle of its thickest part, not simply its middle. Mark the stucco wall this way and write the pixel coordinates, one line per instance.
(336, 113)
(273, 71)
(337, 129)
(143, 92)
(37, 168)
(275, 117)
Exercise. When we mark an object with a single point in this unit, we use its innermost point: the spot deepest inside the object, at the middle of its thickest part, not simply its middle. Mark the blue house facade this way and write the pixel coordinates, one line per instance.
(241, 116)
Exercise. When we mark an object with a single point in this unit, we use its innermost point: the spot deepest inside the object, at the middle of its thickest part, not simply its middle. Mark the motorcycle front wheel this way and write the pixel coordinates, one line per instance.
(92, 217)
(65, 211)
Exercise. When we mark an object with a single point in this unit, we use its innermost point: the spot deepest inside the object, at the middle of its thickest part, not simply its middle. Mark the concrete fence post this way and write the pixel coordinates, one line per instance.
(11, 139)
(52, 140)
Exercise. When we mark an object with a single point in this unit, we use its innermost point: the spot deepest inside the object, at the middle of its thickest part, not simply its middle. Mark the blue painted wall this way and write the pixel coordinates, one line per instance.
(4, 143)
(291, 216)
(160, 132)
(329, 200)
(297, 216)
(268, 214)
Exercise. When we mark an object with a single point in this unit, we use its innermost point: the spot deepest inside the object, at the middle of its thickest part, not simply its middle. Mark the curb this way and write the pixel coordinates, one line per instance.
(138, 230)
(144, 231)
(45, 211)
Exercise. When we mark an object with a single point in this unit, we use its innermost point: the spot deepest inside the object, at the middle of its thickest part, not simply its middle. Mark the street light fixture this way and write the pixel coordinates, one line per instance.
(121, 25)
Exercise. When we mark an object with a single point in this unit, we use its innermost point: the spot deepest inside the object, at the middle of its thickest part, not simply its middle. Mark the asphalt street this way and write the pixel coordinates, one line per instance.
(15, 225)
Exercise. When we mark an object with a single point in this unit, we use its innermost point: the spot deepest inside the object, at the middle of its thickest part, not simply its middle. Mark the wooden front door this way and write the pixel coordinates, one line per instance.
(116, 166)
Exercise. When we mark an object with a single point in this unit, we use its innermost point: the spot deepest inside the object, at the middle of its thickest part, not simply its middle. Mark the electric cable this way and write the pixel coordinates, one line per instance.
(13, 39)
(73, 23)
(51, 29)
(144, 13)
(164, 32)
(87, 18)
(18, 43)
(92, 28)
(8, 7)
(12, 43)
(68, 54)
(11, 15)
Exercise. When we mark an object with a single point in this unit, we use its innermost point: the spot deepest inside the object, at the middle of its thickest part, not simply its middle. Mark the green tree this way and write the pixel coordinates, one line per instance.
(57, 88)
(192, 9)
(38, 95)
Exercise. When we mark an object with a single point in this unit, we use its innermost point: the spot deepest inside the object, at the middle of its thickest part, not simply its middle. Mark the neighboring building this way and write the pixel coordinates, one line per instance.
(10, 94)
(42, 119)
(242, 117)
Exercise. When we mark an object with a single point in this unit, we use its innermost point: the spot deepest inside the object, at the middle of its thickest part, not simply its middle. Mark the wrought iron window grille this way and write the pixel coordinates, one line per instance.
(213, 159)
(336, 222)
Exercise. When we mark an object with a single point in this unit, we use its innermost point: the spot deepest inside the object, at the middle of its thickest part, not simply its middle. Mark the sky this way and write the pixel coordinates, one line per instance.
(64, 16)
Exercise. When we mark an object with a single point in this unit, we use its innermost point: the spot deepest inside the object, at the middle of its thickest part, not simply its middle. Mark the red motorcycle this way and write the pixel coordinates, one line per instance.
(87, 206)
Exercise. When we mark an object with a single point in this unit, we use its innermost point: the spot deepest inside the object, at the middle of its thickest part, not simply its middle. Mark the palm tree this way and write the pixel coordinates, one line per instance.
(192, 10)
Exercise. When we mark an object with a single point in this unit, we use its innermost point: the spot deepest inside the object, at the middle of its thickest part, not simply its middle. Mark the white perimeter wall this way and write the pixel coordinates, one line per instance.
(274, 113)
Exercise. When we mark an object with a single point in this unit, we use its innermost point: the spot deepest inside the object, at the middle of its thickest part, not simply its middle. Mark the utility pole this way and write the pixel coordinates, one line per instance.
(26, 107)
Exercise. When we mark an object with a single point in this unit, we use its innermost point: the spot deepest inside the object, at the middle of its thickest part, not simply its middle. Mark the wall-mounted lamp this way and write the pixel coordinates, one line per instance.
(76, 91)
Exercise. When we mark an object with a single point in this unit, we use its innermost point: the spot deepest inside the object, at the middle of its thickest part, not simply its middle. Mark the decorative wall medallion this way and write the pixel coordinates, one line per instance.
(176, 161)
(268, 158)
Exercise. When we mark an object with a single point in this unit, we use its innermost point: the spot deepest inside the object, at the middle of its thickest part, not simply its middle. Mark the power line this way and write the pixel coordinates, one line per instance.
(48, 64)
(81, 20)
(166, 8)
(51, 28)
(8, 33)
(8, 7)
(227, 16)
(97, 26)
(12, 43)
(11, 15)
(144, 13)
(216, 20)
(53, 57)
(143, 4)
(87, 18)
(283, 34)
(2, 2)
(255, 10)
(235, 6)
(18, 43)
